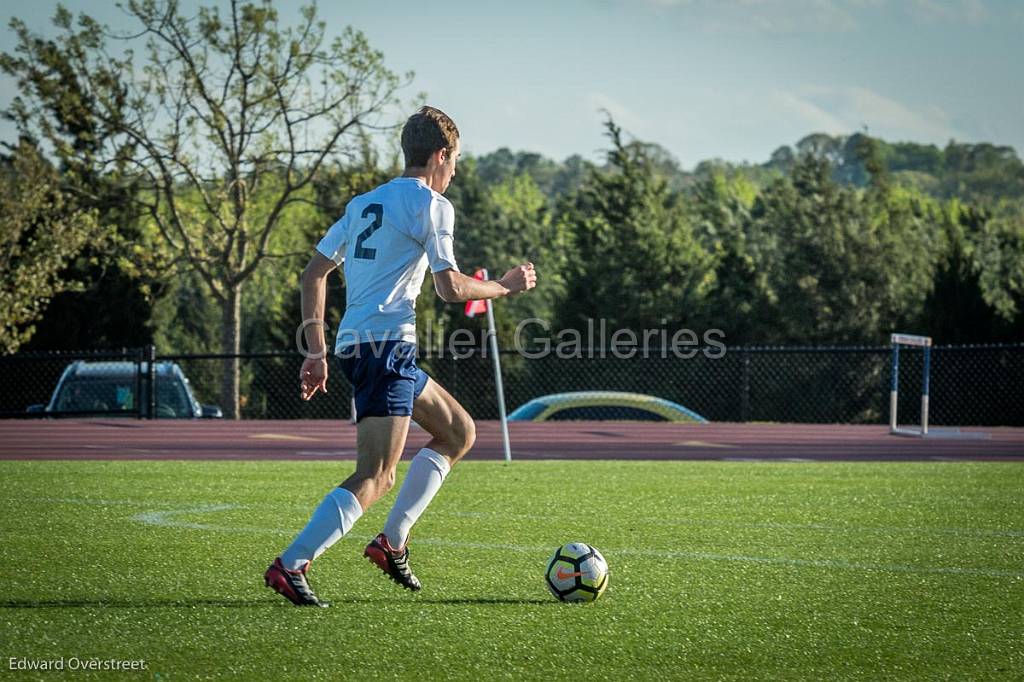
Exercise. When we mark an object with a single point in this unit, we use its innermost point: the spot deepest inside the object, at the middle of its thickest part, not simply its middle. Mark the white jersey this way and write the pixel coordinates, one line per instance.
(385, 240)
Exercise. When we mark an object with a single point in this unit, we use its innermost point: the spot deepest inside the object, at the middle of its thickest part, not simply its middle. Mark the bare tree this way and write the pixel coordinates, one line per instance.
(222, 109)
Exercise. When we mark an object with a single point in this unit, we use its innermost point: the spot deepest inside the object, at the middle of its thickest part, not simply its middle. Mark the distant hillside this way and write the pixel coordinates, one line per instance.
(967, 171)
(971, 172)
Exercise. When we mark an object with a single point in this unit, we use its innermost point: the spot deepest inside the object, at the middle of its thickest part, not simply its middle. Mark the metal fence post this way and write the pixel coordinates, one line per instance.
(139, 355)
(455, 374)
(151, 381)
(745, 388)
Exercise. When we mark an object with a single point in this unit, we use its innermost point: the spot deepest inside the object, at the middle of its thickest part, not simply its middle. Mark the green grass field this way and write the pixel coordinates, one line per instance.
(816, 571)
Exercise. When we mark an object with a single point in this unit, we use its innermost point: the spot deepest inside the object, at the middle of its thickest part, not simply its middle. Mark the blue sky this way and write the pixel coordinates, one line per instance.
(732, 79)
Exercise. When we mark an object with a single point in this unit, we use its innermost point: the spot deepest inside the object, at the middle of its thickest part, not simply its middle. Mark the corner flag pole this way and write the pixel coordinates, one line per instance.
(472, 308)
(493, 334)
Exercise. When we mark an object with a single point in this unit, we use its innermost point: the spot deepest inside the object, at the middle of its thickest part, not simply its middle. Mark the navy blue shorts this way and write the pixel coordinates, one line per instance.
(384, 376)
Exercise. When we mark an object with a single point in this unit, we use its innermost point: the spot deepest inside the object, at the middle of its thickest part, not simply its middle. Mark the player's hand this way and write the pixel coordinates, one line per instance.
(520, 278)
(313, 377)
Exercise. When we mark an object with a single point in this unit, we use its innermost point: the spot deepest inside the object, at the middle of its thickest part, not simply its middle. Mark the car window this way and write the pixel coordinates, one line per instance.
(119, 394)
(85, 395)
(171, 399)
(605, 413)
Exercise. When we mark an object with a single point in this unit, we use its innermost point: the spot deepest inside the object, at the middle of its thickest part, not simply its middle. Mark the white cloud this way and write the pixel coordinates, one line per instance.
(776, 17)
(632, 122)
(669, 3)
(785, 17)
(848, 109)
(809, 115)
(973, 12)
(976, 11)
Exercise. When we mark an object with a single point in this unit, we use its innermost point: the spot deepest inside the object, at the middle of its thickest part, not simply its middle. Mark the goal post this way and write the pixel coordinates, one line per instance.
(925, 343)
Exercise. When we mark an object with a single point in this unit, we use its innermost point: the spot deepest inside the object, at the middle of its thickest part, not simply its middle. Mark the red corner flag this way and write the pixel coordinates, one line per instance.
(474, 308)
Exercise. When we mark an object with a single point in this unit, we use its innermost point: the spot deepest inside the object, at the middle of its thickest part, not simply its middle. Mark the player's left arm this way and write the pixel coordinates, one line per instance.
(453, 286)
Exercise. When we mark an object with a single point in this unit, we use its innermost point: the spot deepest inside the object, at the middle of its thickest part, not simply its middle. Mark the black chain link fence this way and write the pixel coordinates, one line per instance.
(970, 385)
(30, 381)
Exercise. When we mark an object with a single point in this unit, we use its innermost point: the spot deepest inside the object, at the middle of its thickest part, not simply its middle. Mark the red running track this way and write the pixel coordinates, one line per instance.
(316, 440)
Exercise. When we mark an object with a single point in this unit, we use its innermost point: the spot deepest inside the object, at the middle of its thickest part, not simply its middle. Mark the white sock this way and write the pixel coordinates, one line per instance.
(330, 522)
(426, 473)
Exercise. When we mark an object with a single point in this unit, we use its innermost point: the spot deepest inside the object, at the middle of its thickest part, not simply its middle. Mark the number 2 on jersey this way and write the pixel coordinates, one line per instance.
(377, 211)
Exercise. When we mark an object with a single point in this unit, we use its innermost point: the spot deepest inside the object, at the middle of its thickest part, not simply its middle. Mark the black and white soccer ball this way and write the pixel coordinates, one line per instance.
(577, 572)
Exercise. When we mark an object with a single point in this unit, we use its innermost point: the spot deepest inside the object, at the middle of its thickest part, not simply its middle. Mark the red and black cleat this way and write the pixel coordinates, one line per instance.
(394, 562)
(292, 585)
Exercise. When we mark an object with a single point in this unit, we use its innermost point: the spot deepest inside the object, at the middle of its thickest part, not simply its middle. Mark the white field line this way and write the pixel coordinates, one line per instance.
(499, 516)
(167, 518)
(967, 532)
(780, 561)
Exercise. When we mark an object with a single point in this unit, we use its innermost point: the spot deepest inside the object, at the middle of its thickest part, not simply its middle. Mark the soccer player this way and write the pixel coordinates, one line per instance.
(386, 240)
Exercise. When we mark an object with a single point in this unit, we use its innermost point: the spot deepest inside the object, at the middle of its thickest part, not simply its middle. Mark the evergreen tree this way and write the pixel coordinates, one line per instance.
(636, 260)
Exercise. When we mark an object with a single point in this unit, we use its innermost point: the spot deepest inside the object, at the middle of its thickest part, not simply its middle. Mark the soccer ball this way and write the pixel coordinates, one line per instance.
(577, 572)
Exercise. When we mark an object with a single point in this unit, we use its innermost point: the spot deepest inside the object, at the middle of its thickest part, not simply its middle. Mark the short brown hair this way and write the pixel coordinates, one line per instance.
(426, 131)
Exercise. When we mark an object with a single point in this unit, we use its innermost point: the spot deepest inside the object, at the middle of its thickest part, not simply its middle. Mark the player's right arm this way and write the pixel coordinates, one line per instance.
(454, 287)
(329, 254)
(313, 375)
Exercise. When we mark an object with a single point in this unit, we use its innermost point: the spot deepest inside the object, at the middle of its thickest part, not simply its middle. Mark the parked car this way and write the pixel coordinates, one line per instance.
(114, 389)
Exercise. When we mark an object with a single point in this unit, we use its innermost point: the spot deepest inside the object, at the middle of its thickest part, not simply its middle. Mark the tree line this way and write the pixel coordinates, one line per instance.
(178, 201)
